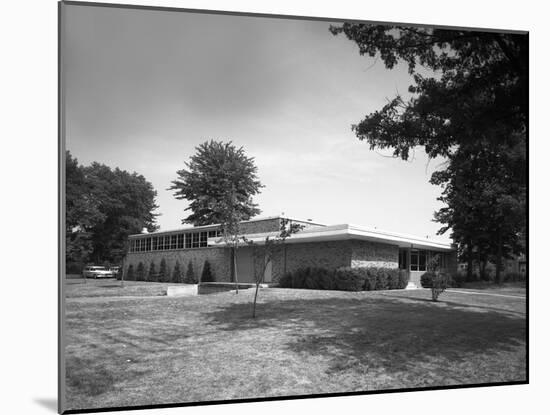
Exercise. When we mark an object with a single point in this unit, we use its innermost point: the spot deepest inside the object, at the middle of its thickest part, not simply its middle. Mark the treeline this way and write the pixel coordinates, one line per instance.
(104, 206)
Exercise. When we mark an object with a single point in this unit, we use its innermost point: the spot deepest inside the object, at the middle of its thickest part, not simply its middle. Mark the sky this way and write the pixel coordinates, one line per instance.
(143, 88)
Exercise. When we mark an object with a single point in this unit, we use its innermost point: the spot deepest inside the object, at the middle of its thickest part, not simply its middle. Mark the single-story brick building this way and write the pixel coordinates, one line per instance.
(316, 245)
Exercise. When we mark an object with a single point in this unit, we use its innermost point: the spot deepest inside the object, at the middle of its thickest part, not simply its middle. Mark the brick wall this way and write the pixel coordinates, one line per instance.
(374, 254)
(219, 258)
(329, 254)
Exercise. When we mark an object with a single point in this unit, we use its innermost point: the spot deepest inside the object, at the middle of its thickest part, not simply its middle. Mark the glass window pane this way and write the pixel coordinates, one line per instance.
(414, 260)
(187, 240)
(180, 241)
(422, 261)
(195, 239)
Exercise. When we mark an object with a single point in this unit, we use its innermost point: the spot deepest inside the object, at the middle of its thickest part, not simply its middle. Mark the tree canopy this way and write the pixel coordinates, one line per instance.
(218, 175)
(468, 103)
(103, 207)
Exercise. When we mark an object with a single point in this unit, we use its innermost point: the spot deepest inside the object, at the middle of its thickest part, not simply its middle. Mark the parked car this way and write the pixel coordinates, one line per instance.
(93, 271)
(115, 270)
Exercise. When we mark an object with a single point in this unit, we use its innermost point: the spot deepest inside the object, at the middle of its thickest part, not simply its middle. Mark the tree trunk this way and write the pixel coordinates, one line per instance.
(498, 273)
(470, 262)
(235, 268)
(259, 280)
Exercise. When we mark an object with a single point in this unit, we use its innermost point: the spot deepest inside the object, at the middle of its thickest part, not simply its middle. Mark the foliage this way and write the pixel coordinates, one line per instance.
(440, 282)
(426, 279)
(140, 272)
(130, 273)
(207, 275)
(286, 229)
(190, 277)
(346, 279)
(468, 104)
(216, 173)
(103, 207)
(177, 274)
(153, 275)
(164, 272)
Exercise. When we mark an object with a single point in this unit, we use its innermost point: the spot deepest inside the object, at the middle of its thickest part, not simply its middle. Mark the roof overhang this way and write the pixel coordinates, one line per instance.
(346, 232)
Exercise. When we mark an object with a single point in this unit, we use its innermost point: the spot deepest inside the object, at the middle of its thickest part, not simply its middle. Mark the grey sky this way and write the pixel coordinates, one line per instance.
(143, 88)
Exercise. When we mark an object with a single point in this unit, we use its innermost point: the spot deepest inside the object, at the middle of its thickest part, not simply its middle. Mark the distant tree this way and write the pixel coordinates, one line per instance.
(81, 213)
(207, 275)
(140, 272)
(190, 277)
(214, 171)
(177, 275)
(127, 201)
(103, 207)
(130, 273)
(153, 275)
(164, 273)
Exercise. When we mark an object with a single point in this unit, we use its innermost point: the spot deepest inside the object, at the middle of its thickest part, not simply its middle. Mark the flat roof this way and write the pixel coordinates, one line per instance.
(191, 227)
(348, 232)
(329, 233)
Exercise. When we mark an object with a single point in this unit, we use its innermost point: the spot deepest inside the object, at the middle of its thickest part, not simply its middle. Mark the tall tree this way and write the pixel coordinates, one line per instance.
(468, 103)
(127, 201)
(103, 207)
(213, 172)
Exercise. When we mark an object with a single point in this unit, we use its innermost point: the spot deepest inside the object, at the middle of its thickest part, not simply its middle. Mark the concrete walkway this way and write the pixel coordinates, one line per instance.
(490, 294)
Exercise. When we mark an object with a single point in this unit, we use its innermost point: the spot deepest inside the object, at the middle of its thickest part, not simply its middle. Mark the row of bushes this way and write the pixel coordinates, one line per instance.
(164, 275)
(489, 275)
(460, 278)
(346, 279)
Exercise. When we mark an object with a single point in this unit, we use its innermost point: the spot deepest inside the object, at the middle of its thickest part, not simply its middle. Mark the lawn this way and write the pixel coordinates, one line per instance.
(124, 351)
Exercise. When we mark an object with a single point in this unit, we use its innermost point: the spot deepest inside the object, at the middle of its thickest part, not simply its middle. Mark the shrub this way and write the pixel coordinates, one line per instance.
(403, 279)
(207, 275)
(457, 280)
(190, 277)
(426, 279)
(177, 275)
(164, 273)
(130, 273)
(440, 282)
(349, 279)
(152, 276)
(285, 281)
(140, 272)
(346, 279)
(512, 276)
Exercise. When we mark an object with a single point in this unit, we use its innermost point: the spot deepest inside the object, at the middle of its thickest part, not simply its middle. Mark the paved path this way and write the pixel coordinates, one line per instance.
(491, 294)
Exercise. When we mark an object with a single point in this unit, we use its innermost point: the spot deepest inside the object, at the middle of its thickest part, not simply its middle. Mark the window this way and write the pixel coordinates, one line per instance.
(212, 234)
(161, 243)
(196, 242)
(203, 239)
(187, 240)
(155, 243)
(167, 242)
(180, 240)
(173, 242)
(148, 244)
(418, 260)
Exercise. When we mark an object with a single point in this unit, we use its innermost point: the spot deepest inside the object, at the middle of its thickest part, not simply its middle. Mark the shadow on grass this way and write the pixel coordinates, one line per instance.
(92, 378)
(385, 333)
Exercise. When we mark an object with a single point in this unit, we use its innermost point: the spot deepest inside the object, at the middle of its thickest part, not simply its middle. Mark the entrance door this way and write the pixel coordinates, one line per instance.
(245, 265)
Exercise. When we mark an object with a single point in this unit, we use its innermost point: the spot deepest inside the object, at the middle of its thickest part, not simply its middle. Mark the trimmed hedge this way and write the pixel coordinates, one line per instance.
(346, 279)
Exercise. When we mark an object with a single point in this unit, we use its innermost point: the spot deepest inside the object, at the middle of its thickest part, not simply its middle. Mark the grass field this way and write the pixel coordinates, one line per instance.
(153, 350)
